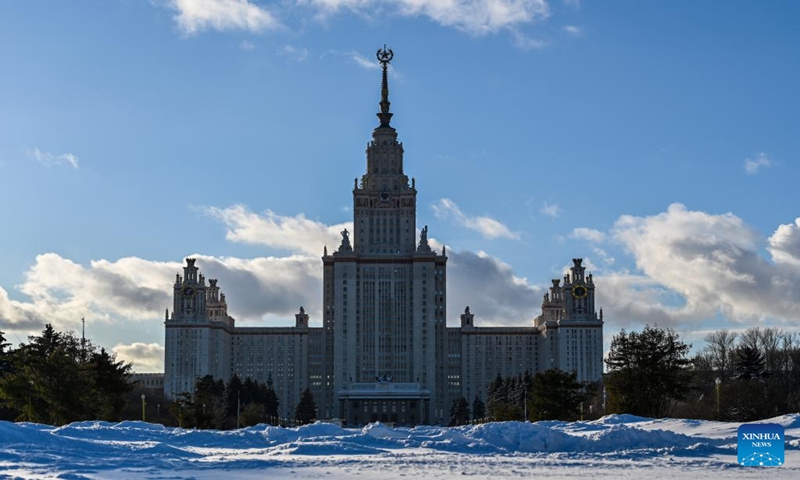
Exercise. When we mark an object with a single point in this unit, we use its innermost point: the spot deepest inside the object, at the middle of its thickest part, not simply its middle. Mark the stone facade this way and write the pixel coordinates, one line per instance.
(384, 351)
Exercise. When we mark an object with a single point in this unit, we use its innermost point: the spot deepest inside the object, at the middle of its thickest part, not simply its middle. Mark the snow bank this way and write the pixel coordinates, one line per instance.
(98, 446)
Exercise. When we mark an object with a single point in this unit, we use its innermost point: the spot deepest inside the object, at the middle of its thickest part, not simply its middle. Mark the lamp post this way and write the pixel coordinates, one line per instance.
(526, 405)
(604, 399)
(143, 405)
(718, 383)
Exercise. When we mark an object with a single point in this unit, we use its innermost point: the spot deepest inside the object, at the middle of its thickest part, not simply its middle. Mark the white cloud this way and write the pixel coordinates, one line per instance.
(753, 166)
(573, 30)
(477, 16)
(247, 46)
(61, 291)
(195, 16)
(603, 255)
(590, 234)
(784, 244)
(486, 226)
(490, 287)
(268, 286)
(473, 16)
(53, 159)
(710, 264)
(629, 299)
(551, 210)
(363, 61)
(258, 290)
(295, 234)
(146, 357)
(525, 42)
(297, 53)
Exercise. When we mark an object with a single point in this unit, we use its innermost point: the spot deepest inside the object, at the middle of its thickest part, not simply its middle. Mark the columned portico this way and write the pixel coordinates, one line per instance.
(396, 403)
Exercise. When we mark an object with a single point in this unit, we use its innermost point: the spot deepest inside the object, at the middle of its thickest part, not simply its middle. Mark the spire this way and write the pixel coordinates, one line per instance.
(384, 57)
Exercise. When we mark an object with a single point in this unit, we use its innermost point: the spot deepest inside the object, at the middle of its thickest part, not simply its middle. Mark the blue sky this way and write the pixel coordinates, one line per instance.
(658, 140)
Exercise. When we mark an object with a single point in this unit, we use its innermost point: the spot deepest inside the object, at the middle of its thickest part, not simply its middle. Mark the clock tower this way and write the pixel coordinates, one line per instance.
(580, 327)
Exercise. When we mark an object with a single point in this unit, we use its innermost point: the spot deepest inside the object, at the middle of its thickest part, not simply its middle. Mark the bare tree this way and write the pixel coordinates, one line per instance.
(769, 340)
(719, 349)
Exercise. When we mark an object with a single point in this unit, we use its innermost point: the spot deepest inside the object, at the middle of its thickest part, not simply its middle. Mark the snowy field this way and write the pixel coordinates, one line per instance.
(616, 446)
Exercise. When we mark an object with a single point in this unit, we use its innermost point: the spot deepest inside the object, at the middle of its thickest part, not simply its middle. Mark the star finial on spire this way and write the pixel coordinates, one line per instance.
(384, 57)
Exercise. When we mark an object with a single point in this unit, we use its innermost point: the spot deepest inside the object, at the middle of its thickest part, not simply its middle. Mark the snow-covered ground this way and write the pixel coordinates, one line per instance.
(616, 446)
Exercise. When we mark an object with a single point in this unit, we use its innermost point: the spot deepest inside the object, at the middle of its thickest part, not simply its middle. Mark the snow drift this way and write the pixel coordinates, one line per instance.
(140, 450)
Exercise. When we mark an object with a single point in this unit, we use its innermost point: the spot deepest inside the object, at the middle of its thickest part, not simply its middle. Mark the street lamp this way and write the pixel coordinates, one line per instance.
(525, 405)
(143, 405)
(605, 396)
(718, 382)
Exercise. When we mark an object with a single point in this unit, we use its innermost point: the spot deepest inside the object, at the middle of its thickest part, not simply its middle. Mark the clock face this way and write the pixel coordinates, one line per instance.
(188, 291)
(579, 291)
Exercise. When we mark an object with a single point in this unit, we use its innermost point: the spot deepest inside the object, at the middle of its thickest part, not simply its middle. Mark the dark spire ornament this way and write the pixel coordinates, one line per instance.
(384, 57)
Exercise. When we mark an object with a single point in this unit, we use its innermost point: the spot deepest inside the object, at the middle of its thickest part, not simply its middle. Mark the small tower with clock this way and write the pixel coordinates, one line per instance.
(197, 332)
(580, 329)
(189, 297)
(579, 289)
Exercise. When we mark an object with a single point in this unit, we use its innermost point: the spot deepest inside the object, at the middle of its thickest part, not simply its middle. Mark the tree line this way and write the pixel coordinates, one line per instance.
(237, 403)
(58, 378)
(735, 376)
(738, 377)
(550, 395)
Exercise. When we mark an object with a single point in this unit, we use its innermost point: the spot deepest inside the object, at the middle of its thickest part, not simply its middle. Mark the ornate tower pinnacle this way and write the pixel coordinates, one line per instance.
(384, 57)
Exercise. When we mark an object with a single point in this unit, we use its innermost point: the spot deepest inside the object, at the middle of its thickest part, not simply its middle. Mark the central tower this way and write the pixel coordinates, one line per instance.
(384, 204)
(384, 297)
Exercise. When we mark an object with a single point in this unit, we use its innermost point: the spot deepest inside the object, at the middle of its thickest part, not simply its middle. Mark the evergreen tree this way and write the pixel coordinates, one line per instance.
(647, 372)
(57, 378)
(478, 409)
(253, 414)
(6, 413)
(111, 382)
(459, 412)
(3, 353)
(555, 395)
(181, 410)
(747, 397)
(270, 400)
(209, 402)
(250, 392)
(306, 410)
(233, 392)
(750, 364)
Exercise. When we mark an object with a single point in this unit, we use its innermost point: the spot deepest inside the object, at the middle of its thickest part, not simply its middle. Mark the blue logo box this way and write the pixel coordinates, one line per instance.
(761, 445)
